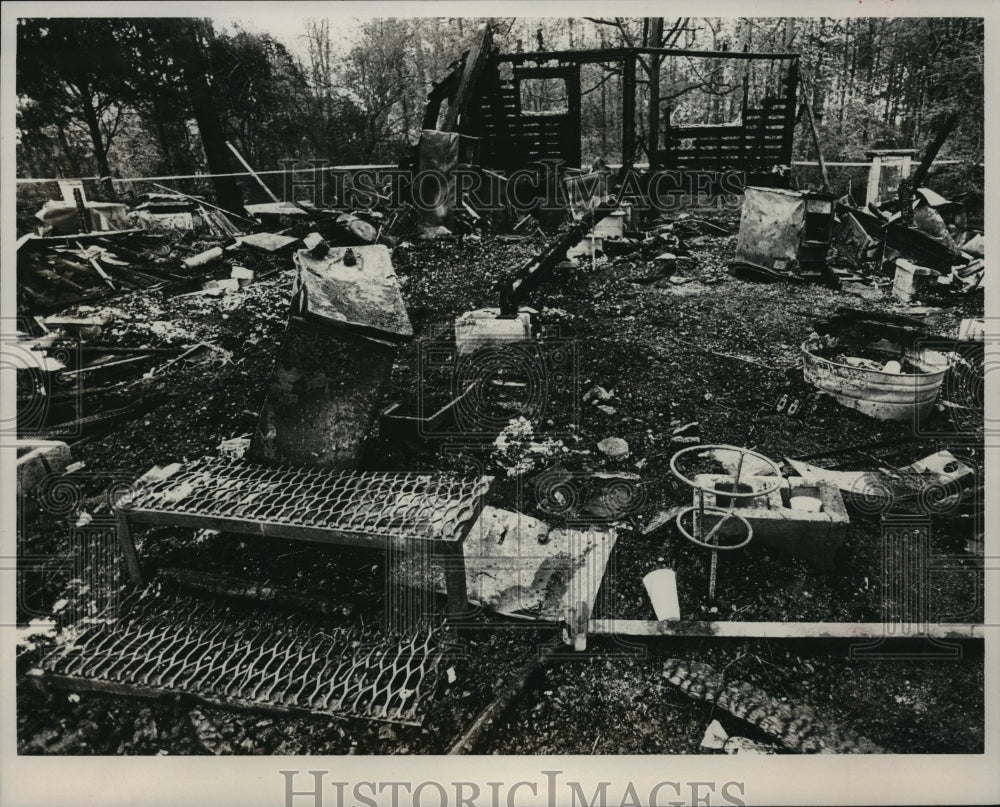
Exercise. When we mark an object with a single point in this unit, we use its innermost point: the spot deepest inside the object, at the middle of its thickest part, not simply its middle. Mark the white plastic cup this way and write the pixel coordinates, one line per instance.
(661, 586)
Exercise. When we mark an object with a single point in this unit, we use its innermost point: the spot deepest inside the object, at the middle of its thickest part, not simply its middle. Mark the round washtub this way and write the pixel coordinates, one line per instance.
(887, 396)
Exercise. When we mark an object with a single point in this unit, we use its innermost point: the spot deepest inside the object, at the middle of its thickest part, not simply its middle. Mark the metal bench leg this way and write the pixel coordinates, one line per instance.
(454, 579)
(128, 549)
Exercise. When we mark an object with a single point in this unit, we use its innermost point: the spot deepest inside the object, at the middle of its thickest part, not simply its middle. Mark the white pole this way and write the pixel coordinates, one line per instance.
(874, 181)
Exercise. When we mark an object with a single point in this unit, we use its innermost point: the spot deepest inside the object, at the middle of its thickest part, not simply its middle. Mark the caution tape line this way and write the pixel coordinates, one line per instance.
(33, 180)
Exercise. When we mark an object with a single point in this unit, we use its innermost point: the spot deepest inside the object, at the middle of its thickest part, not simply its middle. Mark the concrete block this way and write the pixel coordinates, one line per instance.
(37, 459)
(587, 245)
(777, 519)
(242, 275)
(910, 279)
(312, 241)
(484, 327)
(611, 226)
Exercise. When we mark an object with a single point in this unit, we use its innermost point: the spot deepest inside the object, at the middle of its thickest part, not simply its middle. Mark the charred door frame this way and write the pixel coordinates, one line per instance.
(569, 122)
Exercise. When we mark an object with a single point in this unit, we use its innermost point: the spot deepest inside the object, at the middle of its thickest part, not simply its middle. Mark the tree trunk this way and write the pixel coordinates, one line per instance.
(843, 73)
(74, 163)
(655, 41)
(404, 98)
(166, 147)
(100, 148)
(818, 88)
(227, 191)
(628, 111)
(604, 103)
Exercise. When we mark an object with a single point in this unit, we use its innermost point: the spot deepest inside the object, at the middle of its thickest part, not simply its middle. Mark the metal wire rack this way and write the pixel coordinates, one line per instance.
(364, 504)
(224, 652)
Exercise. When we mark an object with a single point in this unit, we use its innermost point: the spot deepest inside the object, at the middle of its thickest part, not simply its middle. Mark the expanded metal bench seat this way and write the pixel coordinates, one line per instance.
(240, 655)
(354, 508)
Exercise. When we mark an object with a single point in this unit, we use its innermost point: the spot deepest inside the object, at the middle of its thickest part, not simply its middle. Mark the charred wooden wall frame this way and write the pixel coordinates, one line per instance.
(511, 137)
(762, 140)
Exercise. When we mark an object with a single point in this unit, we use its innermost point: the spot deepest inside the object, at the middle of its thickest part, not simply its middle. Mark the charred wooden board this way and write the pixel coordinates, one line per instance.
(537, 269)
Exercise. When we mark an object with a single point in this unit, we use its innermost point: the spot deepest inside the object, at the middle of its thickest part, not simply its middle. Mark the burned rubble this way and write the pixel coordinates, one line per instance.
(333, 475)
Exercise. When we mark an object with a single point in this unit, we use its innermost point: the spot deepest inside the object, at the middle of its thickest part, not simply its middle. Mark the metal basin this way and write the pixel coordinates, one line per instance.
(887, 396)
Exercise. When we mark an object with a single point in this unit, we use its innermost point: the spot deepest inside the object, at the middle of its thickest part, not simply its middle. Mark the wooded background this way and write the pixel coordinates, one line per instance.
(144, 97)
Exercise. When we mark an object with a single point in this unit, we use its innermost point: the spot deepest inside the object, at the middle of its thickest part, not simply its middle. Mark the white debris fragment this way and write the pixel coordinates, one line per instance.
(715, 736)
(598, 394)
(613, 447)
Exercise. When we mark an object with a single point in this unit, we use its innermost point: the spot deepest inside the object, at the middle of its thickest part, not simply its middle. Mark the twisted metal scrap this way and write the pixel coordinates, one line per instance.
(797, 728)
(251, 657)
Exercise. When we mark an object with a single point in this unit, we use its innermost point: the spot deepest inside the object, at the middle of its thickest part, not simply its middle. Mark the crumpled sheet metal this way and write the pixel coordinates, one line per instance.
(61, 218)
(771, 227)
(509, 571)
(438, 152)
(363, 296)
